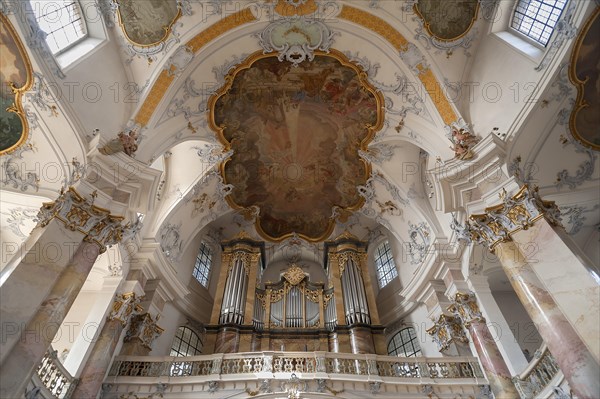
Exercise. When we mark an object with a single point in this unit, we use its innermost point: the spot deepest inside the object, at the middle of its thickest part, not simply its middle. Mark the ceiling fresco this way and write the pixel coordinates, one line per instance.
(15, 77)
(295, 133)
(447, 20)
(147, 22)
(585, 74)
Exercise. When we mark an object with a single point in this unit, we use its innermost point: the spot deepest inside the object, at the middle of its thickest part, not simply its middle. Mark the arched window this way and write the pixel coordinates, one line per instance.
(186, 343)
(536, 18)
(404, 343)
(384, 264)
(202, 266)
(62, 21)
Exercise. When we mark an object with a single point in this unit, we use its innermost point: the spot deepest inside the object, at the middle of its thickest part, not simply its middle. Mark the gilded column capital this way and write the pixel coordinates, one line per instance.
(446, 330)
(78, 213)
(466, 309)
(124, 306)
(515, 213)
(143, 327)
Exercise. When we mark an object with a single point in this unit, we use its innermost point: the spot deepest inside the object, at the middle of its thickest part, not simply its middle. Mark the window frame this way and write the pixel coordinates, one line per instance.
(180, 341)
(204, 252)
(523, 35)
(390, 264)
(82, 18)
(412, 341)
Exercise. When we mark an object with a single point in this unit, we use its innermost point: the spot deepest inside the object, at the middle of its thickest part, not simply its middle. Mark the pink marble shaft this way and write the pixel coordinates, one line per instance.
(26, 355)
(569, 276)
(228, 340)
(495, 367)
(97, 365)
(361, 340)
(576, 362)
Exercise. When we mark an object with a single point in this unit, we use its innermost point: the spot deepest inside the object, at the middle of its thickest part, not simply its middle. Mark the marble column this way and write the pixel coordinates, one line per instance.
(25, 356)
(504, 228)
(98, 363)
(576, 289)
(91, 230)
(333, 345)
(361, 340)
(228, 340)
(465, 307)
(575, 360)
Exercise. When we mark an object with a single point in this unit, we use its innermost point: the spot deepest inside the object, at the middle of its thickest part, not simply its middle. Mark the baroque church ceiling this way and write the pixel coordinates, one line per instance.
(295, 132)
(297, 119)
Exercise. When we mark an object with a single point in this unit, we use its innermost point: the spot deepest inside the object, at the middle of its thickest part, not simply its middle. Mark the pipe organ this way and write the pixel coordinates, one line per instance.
(295, 313)
(346, 260)
(294, 302)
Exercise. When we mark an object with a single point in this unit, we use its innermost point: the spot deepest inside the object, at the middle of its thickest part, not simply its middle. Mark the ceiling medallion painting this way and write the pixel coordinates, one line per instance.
(16, 78)
(147, 23)
(584, 122)
(447, 20)
(296, 133)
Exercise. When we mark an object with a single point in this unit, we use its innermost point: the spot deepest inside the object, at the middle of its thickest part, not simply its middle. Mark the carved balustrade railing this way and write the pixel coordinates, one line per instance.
(263, 363)
(538, 375)
(53, 379)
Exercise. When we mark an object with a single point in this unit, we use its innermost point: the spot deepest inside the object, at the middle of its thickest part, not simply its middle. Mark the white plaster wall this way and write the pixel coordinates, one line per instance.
(170, 320)
(419, 321)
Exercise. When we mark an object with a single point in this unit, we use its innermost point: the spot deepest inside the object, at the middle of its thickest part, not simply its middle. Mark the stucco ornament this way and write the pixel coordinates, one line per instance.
(296, 39)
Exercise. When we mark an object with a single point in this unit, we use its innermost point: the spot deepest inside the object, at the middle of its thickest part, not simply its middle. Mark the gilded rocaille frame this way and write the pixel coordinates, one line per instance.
(168, 29)
(17, 106)
(580, 103)
(427, 26)
(372, 130)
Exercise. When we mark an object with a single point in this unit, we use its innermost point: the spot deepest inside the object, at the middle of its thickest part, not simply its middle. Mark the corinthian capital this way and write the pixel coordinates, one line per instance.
(78, 213)
(124, 306)
(446, 330)
(143, 328)
(465, 307)
(517, 212)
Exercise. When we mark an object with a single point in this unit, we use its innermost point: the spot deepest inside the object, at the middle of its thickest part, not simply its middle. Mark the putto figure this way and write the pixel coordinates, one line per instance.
(463, 141)
(125, 142)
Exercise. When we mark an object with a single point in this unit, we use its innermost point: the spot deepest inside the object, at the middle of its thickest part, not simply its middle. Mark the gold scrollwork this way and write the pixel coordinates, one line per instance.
(17, 106)
(344, 257)
(294, 274)
(580, 101)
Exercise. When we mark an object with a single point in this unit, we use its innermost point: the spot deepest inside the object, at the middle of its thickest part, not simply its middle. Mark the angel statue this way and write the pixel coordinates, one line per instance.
(125, 142)
(463, 141)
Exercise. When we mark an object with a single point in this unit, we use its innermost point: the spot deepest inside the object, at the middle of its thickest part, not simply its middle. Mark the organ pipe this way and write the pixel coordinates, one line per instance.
(354, 295)
(234, 298)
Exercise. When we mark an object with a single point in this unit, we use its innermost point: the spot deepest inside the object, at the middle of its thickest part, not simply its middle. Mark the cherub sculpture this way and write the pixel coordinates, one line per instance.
(125, 142)
(463, 141)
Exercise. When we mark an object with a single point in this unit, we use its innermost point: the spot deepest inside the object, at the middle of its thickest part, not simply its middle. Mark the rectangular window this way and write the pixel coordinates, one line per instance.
(536, 19)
